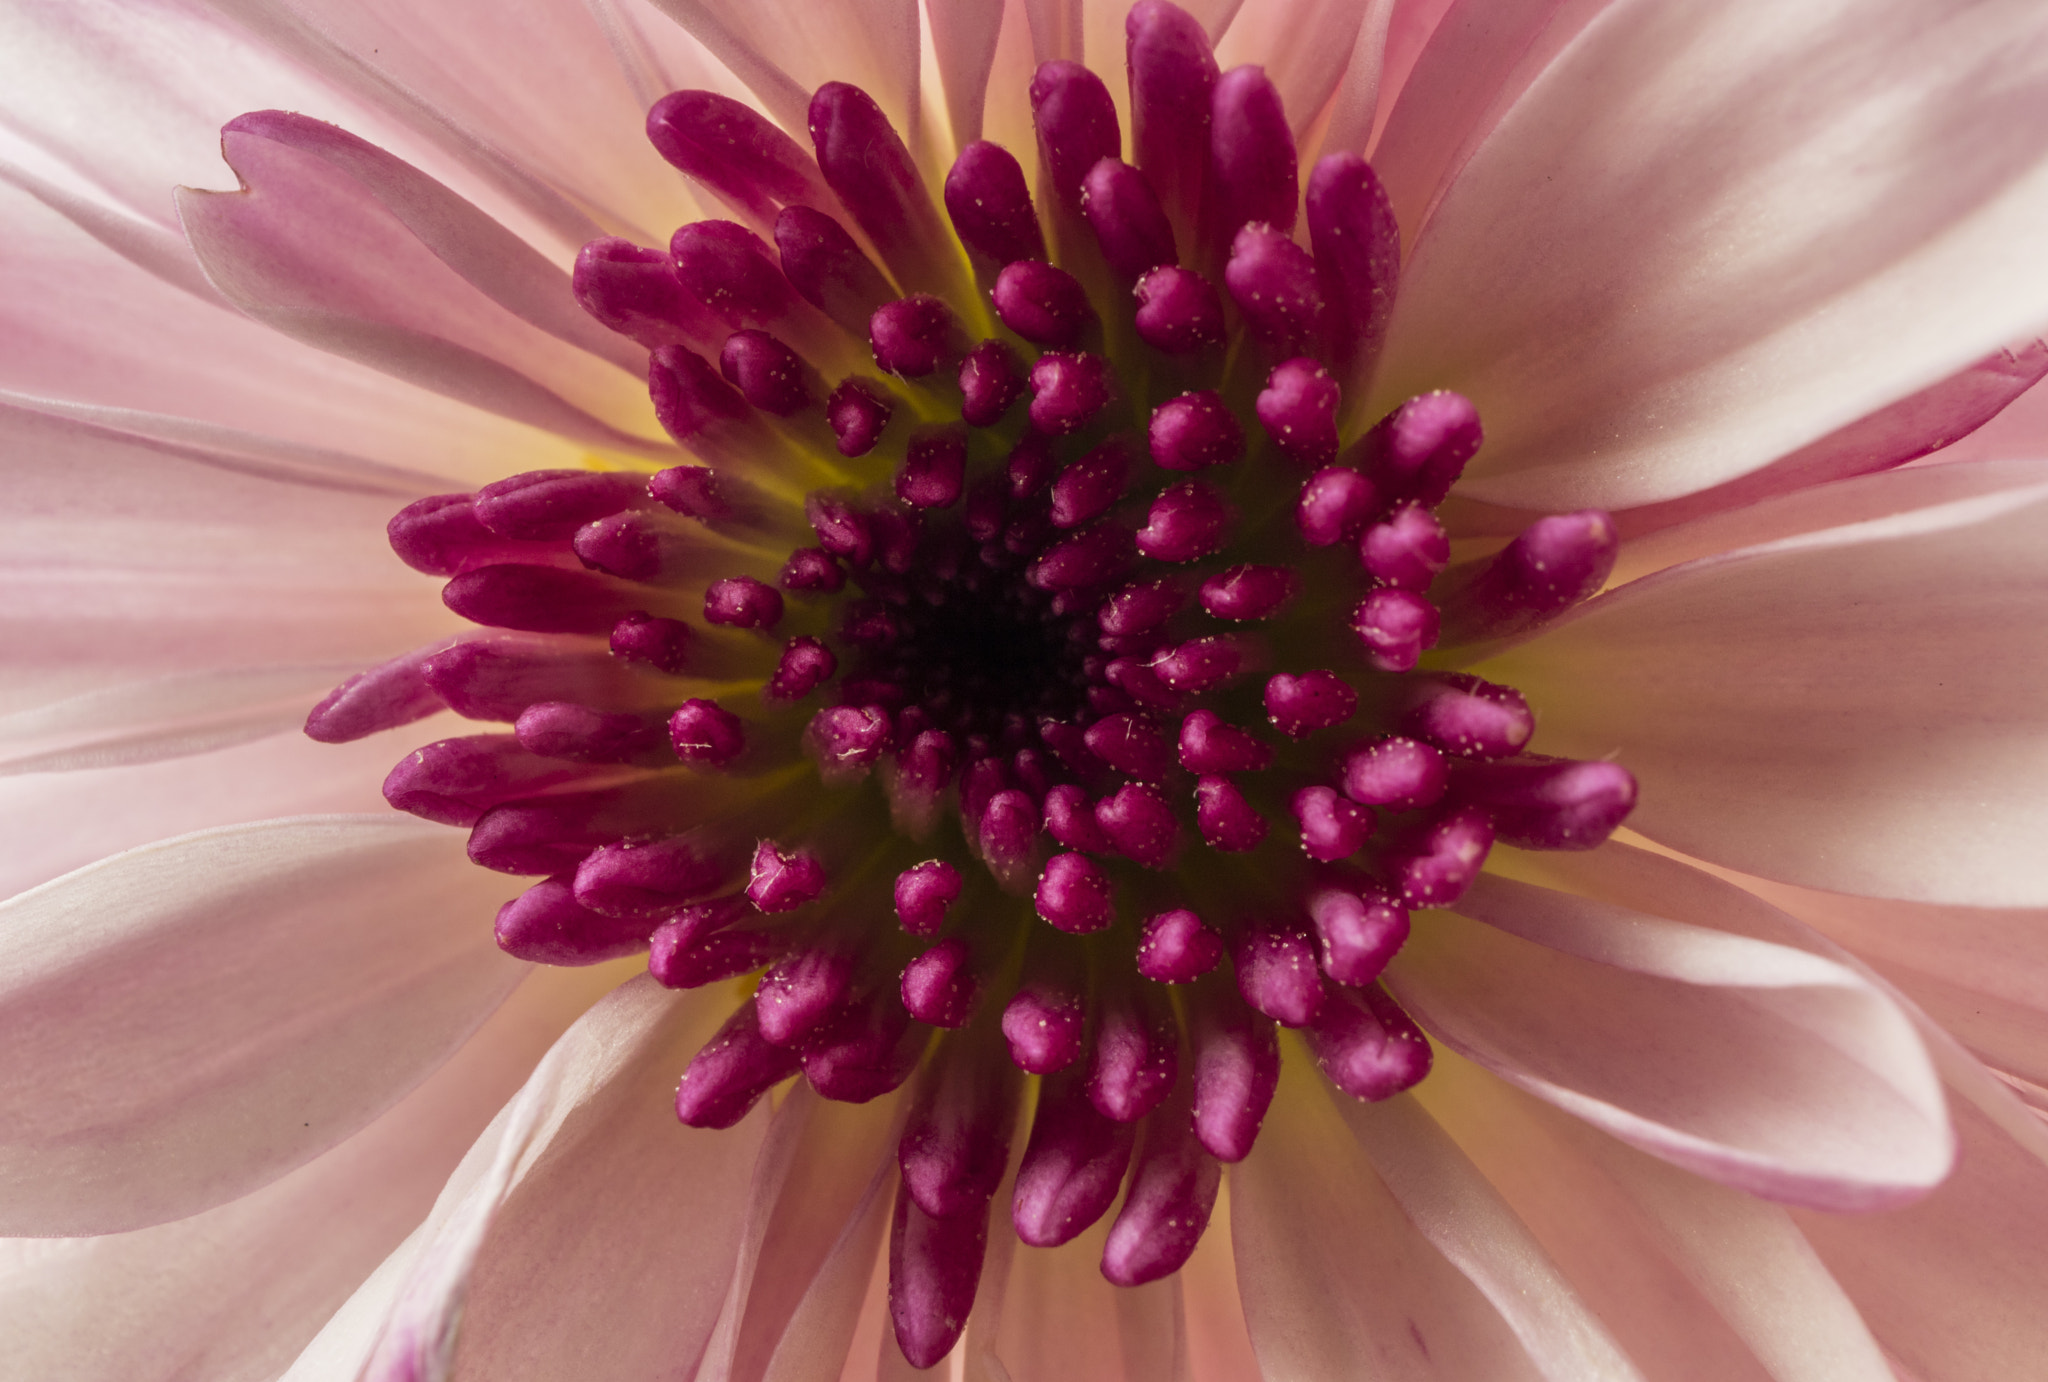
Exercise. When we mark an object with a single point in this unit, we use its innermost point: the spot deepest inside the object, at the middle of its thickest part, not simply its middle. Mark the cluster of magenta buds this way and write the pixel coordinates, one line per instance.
(1026, 677)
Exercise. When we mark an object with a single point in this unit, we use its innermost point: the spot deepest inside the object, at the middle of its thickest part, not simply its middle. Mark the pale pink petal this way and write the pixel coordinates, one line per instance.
(786, 49)
(824, 1175)
(1855, 500)
(56, 823)
(1695, 214)
(234, 1292)
(1981, 972)
(1911, 428)
(594, 1237)
(964, 36)
(78, 323)
(1952, 1287)
(1219, 1348)
(1305, 47)
(1335, 1279)
(1699, 1282)
(1455, 1208)
(1355, 102)
(310, 249)
(1476, 58)
(1006, 107)
(1056, 1317)
(131, 559)
(1770, 1069)
(1408, 32)
(540, 109)
(1855, 709)
(192, 1019)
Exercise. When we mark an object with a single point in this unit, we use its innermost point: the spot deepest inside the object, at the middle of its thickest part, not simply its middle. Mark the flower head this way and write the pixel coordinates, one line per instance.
(1101, 634)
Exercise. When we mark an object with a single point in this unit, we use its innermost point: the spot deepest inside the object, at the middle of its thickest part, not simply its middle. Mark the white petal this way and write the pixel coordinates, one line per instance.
(1707, 236)
(1854, 709)
(192, 1019)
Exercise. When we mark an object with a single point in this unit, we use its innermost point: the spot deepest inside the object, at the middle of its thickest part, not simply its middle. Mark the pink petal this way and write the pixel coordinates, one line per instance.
(234, 1291)
(1051, 1316)
(1952, 1286)
(815, 1216)
(1855, 709)
(1980, 972)
(1363, 83)
(1331, 1270)
(786, 49)
(964, 37)
(60, 822)
(1770, 1069)
(1697, 1281)
(459, 84)
(1306, 47)
(309, 246)
(1913, 427)
(1694, 213)
(1458, 1210)
(587, 1170)
(78, 322)
(1475, 58)
(193, 1019)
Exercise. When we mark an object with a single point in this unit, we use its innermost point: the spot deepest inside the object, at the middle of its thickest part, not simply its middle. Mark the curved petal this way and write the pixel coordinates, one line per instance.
(310, 249)
(461, 80)
(234, 1292)
(586, 1171)
(79, 323)
(1767, 1068)
(815, 1215)
(1855, 709)
(1335, 1278)
(786, 49)
(1304, 45)
(1840, 198)
(130, 559)
(1057, 1318)
(1927, 422)
(192, 1019)
(964, 37)
(1952, 1286)
(1454, 1207)
(1699, 1282)
(1362, 80)
(1980, 972)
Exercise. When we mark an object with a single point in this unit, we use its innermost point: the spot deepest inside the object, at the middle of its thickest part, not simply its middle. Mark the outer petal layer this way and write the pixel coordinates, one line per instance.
(192, 1019)
(1856, 709)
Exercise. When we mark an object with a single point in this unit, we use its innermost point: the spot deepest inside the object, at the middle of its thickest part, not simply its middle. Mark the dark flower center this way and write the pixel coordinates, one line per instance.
(1039, 672)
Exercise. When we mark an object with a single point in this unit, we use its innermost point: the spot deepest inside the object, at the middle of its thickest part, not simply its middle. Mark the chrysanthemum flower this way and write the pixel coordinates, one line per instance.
(1060, 659)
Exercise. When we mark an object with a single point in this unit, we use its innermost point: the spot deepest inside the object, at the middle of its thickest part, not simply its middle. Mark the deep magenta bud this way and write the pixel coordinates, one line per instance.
(732, 1071)
(1246, 593)
(991, 379)
(767, 373)
(805, 665)
(1193, 432)
(1187, 522)
(1397, 773)
(1077, 126)
(1550, 804)
(688, 395)
(1300, 705)
(1298, 407)
(1174, 947)
(923, 893)
(857, 413)
(731, 271)
(1179, 311)
(1045, 305)
(635, 292)
(1070, 819)
(1043, 1025)
(1226, 820)
(990, 206)
(1367, 1045)
(780, 882)
(1139, 824)
(1332, 828)
(1273, 282)
(1436, 864)
(663, 644)
(827, 268)
(1131, 744)
(1128, 221)
(1469, 717)
(1068, 390)
(741, 602)
(1358, 253)
(1358, 934)
(1211, 744)
(1251, 153)
(939, 987)
(933, 468)
(1277, 973)
(1336, 503)
(912, 335)
(1396, 626)
(1408, 550)
(1417, 451)
(706, 733)
(1087, 488)
(1074, 894)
